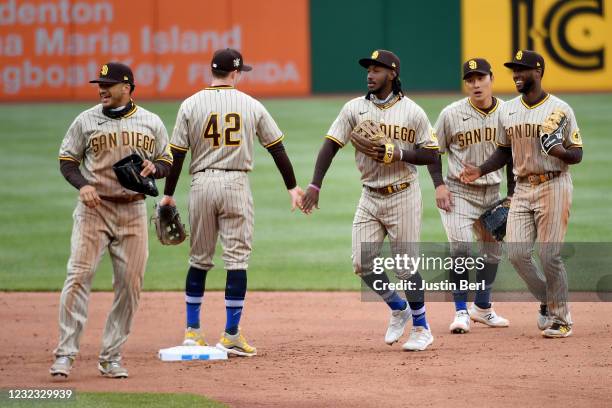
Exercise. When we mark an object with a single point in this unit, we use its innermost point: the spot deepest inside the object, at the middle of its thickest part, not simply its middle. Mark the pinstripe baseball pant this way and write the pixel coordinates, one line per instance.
(122, 228)
(540, 214)
(221, 204)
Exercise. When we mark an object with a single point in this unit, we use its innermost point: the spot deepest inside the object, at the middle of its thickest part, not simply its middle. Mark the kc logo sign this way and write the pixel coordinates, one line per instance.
(573, 36)
(567, 28)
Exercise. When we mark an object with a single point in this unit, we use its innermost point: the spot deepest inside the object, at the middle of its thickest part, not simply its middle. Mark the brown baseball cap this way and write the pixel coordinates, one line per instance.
(229, 59)
(383, 58)
(476, 65)
(114, 73)
(526, 59)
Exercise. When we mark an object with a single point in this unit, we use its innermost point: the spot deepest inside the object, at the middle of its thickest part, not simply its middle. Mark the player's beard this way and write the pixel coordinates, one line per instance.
(528, 84)
(378, 90)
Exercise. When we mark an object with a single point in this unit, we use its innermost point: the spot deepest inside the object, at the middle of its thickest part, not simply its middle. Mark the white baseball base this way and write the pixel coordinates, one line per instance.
(188, 353)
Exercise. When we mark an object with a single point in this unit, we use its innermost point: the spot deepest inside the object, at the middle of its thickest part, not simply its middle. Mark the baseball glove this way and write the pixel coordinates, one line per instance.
(491, 225)
(168, 226)
(128, 173)
(367, 135)
(551, 134)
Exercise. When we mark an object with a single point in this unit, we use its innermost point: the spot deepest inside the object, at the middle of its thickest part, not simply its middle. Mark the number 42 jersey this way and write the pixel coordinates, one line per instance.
(218, 125)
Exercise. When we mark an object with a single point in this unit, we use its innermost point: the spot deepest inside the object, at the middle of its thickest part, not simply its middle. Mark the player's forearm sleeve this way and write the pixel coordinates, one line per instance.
(324, 159)
(498, 159)
(435, 171)
(573, 155)
(420, 156)
(72, 174)
(279, 154)
(162, 169)
(175, 171)
(510, 176)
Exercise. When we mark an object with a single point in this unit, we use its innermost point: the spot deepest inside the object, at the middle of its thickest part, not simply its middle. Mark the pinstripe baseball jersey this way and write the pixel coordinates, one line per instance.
(402, 120)
(520, 126)
(98, 142)
(219, 124)
(469, 135)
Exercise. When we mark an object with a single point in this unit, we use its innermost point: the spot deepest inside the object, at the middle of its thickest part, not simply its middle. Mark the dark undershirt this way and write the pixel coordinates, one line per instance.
(71, 172)
(278, 153)
(435, 171)
(329, 149)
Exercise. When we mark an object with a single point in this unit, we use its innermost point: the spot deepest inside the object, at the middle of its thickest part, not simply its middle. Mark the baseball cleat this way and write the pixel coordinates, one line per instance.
(557, 330)
(236, 344)
(193, 337)
(61, 366)
(461, 324)
(112, 369)
(419, 339)
(488, 317)
(544, 322)
(397, 324)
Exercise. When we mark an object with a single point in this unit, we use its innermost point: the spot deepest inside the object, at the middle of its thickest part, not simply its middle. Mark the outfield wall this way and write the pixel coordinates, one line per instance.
(49, 49)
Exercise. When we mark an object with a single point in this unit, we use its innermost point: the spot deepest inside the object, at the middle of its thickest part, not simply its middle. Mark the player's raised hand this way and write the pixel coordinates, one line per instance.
(89, 196)
(296, 195)
(147, 168)
(469, 173)
(167, 200)
(310, 199)
(444, 198)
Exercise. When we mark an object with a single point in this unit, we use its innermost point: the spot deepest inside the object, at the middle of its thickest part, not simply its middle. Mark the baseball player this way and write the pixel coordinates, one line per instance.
(219, 125)
(541, 203)
(107, 216)
(466, 129)
(390, 203)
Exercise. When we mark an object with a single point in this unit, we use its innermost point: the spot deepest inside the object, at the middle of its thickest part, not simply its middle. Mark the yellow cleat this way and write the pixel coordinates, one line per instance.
(193, 337)
(236, 344)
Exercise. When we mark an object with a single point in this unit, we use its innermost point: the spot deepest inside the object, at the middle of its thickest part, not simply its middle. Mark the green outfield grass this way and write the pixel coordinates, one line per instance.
(291, 251)
(120, 400)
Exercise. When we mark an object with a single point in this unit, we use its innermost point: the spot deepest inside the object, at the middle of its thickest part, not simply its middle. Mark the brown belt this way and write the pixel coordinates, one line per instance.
(388, 190)
(124, 200)
(535, 179)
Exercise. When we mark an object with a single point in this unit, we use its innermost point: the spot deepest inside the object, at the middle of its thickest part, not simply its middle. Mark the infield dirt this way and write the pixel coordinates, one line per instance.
(323, 349)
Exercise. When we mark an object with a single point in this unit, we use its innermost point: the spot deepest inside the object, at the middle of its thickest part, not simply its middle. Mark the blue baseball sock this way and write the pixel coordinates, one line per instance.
(459, 296)
(391, 297)
(418, 314)
(235, 291)
(194, 295)
(487, 275)
(459, 304)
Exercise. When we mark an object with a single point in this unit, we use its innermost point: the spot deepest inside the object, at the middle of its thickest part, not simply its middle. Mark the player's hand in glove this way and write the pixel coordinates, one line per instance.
(296, 195)
(310, 199)
(551, 134)
(369, 139)
(387, 154)
(89, 196)
(444, 198)
(469, 173)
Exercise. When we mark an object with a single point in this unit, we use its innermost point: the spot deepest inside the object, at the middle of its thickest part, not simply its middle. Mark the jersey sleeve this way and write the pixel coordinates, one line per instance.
(425, 134)
(442, 131)
(502, 138)
(162, 146)
(74, 143)
(571, 134)
(340, 130)
(268, 131)
(180, 134)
